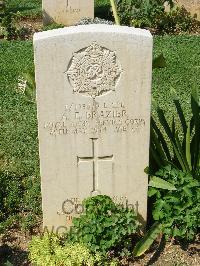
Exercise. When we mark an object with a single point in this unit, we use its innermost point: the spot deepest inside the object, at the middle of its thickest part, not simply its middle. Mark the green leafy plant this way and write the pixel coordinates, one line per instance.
(176, 196)
(104, 226)
(177, 203)
(8, 263)
(151, 14)
(51, 250)
(177, 20)
(179, 146)
(140, 13)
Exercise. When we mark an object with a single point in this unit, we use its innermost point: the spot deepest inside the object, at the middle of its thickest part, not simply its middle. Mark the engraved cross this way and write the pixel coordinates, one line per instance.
(95, 158)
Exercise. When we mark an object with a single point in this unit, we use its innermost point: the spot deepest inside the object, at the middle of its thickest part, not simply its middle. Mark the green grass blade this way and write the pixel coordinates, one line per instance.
(173, 128)
(164, 123)
(181, 116)
(158, 146)
(144, 244)
(161, 139)
(196, 115)
(180, 154)
(156, 157)
(187, 148)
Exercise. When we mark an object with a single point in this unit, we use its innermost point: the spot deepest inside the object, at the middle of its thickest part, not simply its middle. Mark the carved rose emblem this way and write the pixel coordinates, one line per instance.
(94, 71)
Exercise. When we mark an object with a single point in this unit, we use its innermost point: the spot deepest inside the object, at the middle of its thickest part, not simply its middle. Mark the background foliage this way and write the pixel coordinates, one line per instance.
(151, 14)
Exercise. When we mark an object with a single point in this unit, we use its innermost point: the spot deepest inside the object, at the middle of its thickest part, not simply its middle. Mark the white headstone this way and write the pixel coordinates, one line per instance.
(93, 98)
(66, 12)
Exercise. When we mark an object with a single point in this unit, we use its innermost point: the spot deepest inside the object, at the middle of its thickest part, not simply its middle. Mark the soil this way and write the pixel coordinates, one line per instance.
(14, 248)
(30, 26)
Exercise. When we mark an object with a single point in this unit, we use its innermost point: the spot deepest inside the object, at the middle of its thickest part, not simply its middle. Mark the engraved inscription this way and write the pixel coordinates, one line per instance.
(94, 71)
(95, 118)
(95, 159)
(74, 207)
(72, 10)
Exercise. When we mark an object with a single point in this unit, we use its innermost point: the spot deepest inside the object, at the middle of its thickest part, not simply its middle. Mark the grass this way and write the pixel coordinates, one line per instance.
(18, 134)
(26, 8)
(182, 73)
(19, 160)
(33, 8)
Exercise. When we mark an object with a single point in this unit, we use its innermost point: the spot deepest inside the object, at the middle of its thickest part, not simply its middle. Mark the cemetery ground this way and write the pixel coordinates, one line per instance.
(19, 159)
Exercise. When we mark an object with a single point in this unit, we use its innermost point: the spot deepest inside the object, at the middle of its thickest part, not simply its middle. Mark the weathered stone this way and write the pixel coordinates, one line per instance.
(193, 6)
(93, 98)
(66, 12)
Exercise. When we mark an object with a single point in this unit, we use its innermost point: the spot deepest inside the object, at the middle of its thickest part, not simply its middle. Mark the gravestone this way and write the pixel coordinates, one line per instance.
(93, 98)
(66, 12)
(193, 6)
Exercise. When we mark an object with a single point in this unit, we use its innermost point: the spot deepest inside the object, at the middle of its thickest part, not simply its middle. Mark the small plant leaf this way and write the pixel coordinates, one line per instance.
(8, 263)
(188, 151)
(158, 182)
(152, 191)
(144, 244)
(161, 138)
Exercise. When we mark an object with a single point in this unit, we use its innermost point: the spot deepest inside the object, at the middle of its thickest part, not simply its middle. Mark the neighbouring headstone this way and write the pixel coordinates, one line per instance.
(93, 98)
(193, 6)
(66, 12)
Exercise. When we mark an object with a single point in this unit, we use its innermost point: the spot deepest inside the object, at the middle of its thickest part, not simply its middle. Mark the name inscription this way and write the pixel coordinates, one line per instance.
(71, 10)
(95, 118)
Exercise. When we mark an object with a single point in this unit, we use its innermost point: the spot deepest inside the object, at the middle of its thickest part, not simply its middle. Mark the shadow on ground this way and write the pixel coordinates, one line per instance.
(13, 256)
(104, 12)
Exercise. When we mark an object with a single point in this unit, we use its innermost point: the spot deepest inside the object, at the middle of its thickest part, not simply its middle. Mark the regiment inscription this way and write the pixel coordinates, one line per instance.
(95, 118)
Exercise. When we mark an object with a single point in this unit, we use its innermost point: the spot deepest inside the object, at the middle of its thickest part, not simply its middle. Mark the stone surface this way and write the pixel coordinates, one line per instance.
(193, 6)
(66, 12)
(93, 98)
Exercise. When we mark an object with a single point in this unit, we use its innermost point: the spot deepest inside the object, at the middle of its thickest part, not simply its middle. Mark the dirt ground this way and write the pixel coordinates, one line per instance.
(14, 248)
